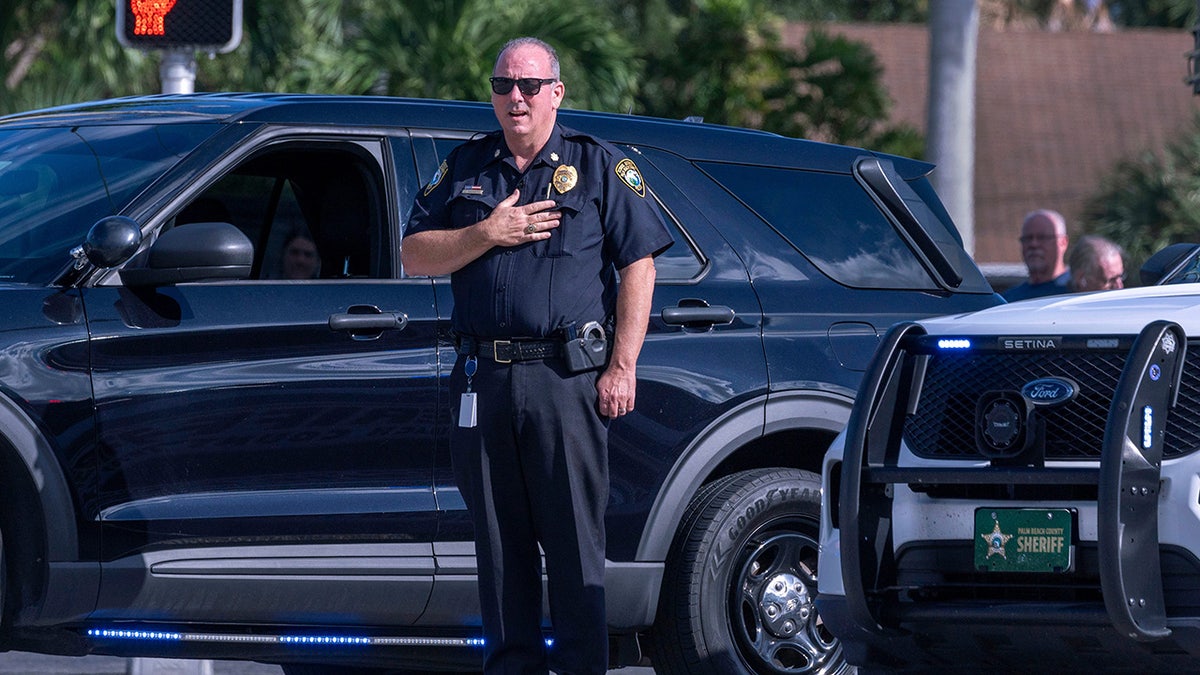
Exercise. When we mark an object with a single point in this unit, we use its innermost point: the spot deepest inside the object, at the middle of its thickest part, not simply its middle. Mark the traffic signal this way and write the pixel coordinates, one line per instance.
(209, 25)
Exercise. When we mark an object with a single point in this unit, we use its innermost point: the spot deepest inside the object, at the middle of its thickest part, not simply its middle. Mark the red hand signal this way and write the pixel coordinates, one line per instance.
(149, 16)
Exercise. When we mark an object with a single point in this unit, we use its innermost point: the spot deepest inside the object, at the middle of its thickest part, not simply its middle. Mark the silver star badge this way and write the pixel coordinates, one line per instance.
(1168, 343)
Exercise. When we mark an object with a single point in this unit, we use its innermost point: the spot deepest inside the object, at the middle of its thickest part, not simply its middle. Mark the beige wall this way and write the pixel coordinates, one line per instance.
(1054, 112)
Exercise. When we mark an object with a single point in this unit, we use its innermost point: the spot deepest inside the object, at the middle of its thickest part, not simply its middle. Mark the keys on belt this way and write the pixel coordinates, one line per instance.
(508, 351)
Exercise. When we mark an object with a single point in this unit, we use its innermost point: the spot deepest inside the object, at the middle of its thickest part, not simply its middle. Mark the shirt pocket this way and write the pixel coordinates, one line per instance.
(466, 210)
(566, 240)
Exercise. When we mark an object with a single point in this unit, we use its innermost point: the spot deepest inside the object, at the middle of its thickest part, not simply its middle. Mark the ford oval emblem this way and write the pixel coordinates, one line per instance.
(1049, 391)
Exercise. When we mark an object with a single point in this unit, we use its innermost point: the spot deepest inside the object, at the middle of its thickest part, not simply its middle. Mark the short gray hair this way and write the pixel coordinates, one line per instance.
(532, 42)
(1056, 218)
(1085, 256)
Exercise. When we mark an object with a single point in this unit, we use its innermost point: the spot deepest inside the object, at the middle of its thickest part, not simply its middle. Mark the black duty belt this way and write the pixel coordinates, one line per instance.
(508, 351)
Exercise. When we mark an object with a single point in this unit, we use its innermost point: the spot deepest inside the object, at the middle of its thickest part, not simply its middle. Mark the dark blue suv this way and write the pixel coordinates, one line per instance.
(223, 405)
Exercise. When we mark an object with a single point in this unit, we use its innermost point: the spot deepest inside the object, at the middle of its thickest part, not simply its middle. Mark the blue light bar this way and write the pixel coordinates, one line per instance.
(321, 640)
(315, 640)
(954, 343)
(1147, 427)
(134, 634)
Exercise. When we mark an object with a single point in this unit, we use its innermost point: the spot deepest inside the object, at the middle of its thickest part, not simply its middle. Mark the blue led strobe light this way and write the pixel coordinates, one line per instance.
(1147, 427)
(324, 640)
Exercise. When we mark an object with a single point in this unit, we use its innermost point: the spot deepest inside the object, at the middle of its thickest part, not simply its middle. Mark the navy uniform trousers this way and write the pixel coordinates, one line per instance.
(535, 470)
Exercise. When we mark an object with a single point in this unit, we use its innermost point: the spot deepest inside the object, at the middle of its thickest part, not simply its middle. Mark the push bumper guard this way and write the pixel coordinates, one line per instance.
(1127, 485)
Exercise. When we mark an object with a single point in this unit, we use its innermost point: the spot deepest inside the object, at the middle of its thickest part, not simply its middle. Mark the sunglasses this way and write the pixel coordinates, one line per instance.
(529, 86)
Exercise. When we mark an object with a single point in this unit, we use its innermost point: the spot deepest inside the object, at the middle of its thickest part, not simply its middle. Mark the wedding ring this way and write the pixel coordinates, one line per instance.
(530, 228)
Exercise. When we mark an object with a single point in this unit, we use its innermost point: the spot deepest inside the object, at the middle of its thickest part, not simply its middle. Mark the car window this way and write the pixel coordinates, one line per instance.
(831, 220)
(683, 260)
(312, 212)
(55, 183)
(1185, 271)
(443, 147)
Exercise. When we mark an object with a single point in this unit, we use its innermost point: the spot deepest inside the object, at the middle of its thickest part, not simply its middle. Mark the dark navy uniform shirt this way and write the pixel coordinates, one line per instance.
(533, 289)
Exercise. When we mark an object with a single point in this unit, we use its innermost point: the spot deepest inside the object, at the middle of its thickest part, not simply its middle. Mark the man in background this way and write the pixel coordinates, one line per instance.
(1097, 264)
(1043, 246)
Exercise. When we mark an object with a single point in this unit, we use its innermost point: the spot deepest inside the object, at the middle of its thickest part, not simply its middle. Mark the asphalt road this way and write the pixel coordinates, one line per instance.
(23, 663)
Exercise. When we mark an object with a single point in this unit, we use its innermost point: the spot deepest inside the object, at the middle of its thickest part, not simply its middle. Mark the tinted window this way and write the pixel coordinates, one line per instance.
(680, 261)
(311, 212)
(56, 183)
(831, 220)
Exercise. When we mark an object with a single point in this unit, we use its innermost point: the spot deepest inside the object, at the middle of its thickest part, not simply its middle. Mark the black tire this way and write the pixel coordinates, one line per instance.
(741, 577)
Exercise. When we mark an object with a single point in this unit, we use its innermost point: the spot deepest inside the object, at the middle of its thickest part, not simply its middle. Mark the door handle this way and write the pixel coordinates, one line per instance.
(363, 319)
(697, 314)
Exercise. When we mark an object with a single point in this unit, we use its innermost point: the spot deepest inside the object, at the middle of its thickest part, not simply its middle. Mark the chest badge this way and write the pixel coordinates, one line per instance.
(565, 178)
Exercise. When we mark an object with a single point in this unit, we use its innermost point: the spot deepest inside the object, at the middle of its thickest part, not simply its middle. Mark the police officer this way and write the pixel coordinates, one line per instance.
(533, 223)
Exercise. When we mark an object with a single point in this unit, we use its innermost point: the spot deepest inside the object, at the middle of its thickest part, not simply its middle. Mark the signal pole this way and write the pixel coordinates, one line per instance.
(178, 29)
(178, 71)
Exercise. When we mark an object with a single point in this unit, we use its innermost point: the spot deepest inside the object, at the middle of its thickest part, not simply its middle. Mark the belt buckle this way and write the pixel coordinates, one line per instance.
(496, 350)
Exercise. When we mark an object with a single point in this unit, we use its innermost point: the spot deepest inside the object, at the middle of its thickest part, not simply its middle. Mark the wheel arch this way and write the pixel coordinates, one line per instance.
(37, 517)
(749, 436)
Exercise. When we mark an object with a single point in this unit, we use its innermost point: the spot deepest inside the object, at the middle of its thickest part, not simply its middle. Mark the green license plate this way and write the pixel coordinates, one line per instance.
(1023, 540)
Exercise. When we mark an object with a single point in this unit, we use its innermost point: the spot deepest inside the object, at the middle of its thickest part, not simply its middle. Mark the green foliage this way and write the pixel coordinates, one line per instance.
(302, 46)
(840, 97)
(62, 51)
(905, 11)
(723, 60)
(1151, 201)
(446, 48)
(719, 59)
(1160, 13)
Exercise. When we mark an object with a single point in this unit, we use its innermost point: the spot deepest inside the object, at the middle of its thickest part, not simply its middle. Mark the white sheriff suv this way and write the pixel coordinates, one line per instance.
(1019, 488)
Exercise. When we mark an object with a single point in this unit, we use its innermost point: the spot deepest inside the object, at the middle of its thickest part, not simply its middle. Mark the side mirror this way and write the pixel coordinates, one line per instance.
(1167, 265)
(194, 252)
(112, 241)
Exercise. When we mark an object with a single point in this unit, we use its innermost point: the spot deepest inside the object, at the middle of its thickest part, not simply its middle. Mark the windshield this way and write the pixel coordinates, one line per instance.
(55, 183)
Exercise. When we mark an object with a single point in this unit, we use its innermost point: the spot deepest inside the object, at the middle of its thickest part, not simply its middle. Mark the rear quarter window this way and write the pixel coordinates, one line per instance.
(831, 220)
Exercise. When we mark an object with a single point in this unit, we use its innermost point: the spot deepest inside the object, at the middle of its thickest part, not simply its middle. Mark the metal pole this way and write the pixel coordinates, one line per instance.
(178, 71)
(950, 140)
